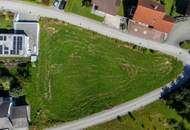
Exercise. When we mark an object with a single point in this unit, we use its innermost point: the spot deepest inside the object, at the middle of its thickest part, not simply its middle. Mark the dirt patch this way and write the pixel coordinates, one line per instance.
(51, 30)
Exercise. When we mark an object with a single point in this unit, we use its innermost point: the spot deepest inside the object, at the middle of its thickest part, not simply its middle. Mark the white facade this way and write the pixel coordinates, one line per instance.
(23, 41)
(14, 45)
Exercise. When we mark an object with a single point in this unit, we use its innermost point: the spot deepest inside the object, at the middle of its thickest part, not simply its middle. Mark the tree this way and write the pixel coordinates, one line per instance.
(180, 101)
(6, 83)
(16, 92)
(86, 3)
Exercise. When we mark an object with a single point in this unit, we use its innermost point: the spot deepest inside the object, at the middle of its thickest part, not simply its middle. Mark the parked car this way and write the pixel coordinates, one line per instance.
(59, 4)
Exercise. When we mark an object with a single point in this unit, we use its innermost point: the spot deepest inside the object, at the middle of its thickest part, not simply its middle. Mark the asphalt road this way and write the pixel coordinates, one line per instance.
(180, 32)
(122, 109)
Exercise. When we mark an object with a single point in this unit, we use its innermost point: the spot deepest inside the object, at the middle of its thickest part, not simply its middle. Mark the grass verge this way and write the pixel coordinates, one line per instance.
(156, 116)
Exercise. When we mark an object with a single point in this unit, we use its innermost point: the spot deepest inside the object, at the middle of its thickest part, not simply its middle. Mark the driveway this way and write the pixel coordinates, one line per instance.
(180, 32)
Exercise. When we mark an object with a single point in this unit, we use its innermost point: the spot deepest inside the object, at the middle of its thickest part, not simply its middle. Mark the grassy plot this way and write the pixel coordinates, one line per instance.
(80, 72)
(75, 6)
(156, 116)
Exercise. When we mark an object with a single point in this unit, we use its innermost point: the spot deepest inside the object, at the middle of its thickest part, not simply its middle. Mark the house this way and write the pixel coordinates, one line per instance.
(104, 7)
(13, 117)
(23, 39)
(150, 21)
(12, 44)
(109, 10)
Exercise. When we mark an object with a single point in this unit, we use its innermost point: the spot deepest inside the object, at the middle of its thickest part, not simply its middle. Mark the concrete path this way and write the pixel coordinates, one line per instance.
(123, 109)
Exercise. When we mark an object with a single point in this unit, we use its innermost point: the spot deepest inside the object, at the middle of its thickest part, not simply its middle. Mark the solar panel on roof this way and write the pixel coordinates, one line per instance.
(6, 48)
(19, 42)
(6, 52)
(5, 38)
(12, 52)
(1, 49)
(1, 38)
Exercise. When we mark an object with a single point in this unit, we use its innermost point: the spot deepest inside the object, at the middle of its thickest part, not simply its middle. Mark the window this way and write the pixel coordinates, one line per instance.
(96, 7)
(5, 38)
(1, 38)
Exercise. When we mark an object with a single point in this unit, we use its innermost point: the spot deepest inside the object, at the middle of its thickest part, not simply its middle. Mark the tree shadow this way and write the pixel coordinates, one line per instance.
(177, 96)
(129, 7)
(20, 101)
(181, 6)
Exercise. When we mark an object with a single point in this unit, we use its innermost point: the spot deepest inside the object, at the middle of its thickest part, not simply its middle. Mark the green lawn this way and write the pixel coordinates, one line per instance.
(80, 72)
(185, 45)
(156, 116)
(75, 6)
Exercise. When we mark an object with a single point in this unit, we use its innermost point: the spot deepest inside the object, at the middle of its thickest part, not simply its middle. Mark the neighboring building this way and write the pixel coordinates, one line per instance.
(109, 10)
(30, 26)
(13, 117)
(104, 7)
(150, 21)
(12, 44)
(23, 40)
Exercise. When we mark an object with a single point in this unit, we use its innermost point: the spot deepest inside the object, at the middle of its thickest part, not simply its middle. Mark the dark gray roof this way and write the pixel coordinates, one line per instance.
(18, 115)
(19, 112)
(4, 107)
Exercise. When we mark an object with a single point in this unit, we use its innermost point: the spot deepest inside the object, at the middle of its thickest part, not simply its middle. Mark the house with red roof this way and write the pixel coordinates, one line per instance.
(150, 21)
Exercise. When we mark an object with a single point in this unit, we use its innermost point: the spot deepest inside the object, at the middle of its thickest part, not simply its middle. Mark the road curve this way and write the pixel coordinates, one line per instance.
(107, 115)
(180, 32)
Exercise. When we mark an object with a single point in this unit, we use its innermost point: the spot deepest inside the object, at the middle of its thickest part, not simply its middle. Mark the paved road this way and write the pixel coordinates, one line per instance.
(105, 30)
(180, 32)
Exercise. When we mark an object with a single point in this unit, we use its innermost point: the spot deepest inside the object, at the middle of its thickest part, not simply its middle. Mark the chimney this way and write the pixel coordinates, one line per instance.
(156, 7)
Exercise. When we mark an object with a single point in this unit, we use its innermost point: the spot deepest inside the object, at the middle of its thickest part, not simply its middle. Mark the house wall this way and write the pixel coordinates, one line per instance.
(97, 12)
(113, 21)
(144, 31)
(21, 128)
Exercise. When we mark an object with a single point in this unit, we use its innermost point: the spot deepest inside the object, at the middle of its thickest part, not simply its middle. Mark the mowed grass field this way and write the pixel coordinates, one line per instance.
(75, 6)
(156, 116)
(80, 72)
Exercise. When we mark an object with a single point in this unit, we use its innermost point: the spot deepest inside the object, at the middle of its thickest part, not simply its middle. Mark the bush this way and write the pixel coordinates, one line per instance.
(16, 92)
